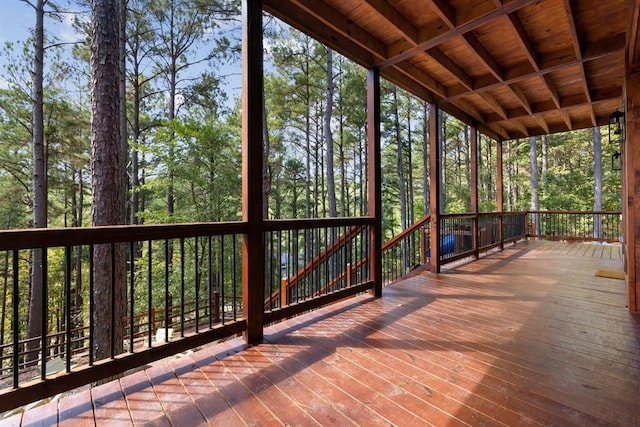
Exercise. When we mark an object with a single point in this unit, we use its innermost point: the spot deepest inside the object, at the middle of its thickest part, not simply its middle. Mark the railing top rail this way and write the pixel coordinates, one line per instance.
(73, 236)
(303, 223)
(576, 212)
(404, 233)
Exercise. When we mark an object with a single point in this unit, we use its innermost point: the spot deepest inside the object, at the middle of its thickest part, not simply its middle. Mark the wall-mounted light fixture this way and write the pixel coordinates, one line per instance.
(616, 161)
(616, 120)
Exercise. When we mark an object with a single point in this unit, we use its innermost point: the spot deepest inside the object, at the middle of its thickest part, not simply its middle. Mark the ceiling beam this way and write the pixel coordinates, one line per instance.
(521, 72)
(524, 40)
(495, 105)
(432, 36)
(395, 18)
(297, 17)
(483, 54)
(565, 104)
(543, 123)
(522, 98)
(573, 29)
(448, 64)
(446, 12)
(338, 22)
(633, 25)
(552, 90)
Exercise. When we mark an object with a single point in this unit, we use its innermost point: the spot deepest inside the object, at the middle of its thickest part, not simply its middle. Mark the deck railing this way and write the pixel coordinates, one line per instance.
(313, 262)
(604, 226)
(465, 235)
(183, 290)
(184, 282)
(406, 251)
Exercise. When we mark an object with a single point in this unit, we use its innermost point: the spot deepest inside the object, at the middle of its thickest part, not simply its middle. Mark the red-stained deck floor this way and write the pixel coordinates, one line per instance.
(528, 336)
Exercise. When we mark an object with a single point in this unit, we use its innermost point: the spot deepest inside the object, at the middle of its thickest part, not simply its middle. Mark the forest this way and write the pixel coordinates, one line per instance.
(183, 134)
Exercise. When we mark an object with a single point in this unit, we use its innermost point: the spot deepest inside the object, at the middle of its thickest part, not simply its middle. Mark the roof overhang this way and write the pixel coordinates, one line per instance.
(513, 68)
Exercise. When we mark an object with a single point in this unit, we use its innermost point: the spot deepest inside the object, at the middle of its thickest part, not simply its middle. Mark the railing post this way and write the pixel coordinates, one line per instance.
(374, 179)
(500, 193)
(474, 191)
(348, 275)
(284, 292)
(423, 246)
(434, 187)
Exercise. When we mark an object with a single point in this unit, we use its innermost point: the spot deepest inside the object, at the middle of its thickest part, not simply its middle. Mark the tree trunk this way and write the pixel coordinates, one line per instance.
(401, 176)
(328, 134)
(35, 319)
(425, 158)
(535, 204)
(108, 178)
(266, 145)
(597, 182)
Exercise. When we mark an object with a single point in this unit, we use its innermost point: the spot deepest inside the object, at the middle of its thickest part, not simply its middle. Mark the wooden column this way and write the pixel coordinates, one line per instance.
(253, 266)
(500, 192)
(435, 152)
(631, 183)
(474, 188)
(374, 178)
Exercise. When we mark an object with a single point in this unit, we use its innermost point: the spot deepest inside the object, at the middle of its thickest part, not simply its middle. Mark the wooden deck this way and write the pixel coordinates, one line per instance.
(527, 336)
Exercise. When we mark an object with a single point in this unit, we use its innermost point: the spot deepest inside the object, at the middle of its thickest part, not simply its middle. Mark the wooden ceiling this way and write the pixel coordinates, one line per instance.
(514, 68)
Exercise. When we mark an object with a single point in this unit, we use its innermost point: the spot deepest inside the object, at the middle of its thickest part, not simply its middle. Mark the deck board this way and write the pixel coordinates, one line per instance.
(526, 336)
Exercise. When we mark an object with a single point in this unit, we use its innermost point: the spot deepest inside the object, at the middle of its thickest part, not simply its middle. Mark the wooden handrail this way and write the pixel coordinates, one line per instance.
(406, 232)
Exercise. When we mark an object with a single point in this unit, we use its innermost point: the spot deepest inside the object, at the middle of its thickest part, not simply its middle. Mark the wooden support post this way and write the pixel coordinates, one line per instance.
(500, 193)
(631, 184)
(374, 179)
(435, 149)
(423, 246)
(253, 265)
(474, 190)
(284, 292)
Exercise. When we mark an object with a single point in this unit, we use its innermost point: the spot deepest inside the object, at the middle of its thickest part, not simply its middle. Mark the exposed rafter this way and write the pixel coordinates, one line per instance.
(573, 29)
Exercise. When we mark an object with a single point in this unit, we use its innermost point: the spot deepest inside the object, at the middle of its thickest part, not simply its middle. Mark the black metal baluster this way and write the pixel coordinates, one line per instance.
(150, 308)
(15, 319)
(67, 289)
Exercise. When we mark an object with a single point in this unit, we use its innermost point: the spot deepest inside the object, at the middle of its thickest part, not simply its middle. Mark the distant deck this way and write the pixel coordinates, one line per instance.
(527, 336)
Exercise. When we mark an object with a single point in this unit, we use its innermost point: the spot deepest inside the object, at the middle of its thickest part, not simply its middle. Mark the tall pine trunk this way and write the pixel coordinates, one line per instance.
(108, 178)
(597, 182)
(35, 319)
(328, 115)
(535, 203)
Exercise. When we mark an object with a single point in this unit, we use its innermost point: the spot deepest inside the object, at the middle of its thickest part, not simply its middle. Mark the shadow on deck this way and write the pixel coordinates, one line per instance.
(524, 336)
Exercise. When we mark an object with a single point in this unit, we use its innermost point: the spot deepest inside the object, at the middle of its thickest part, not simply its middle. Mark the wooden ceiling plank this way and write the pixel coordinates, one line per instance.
(431, 36)
(525, 40)
(446, 12)
(474, 44)
(391, 14)
(448, 64)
